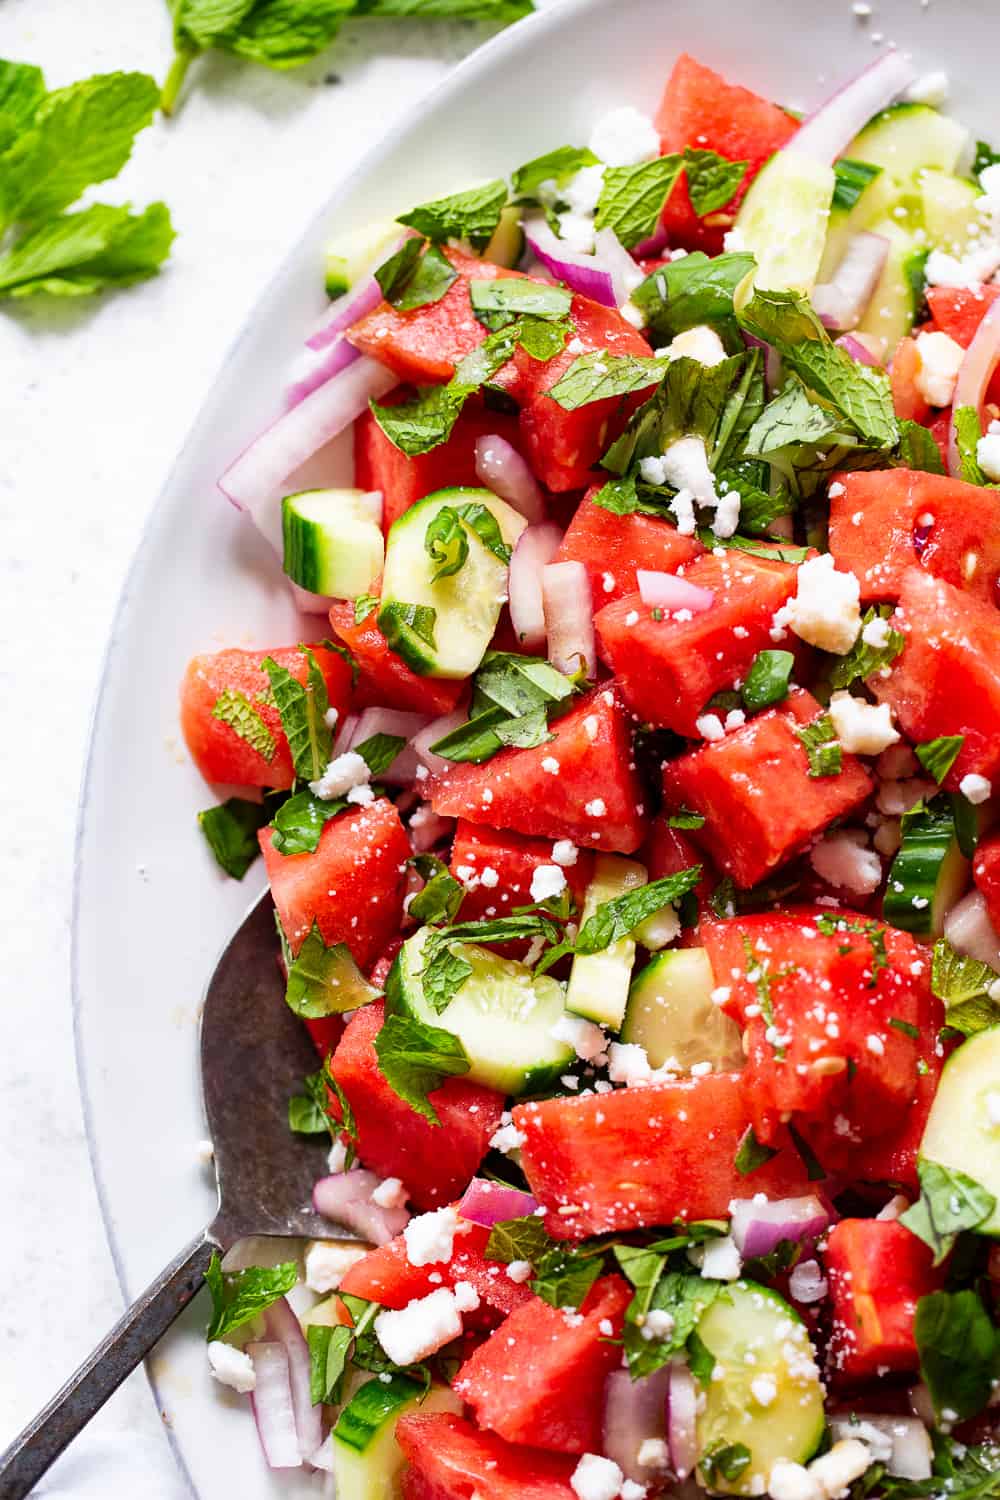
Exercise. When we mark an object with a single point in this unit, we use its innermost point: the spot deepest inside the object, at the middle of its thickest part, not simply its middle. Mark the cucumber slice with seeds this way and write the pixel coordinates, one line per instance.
(962, 1130)
(671, 1014)
(928, 874)
(333, 541)
(599, 982)
(367, 1461)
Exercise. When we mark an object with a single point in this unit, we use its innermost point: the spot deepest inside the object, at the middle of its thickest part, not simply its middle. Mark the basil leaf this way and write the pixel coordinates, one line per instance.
(949, 1203)
(938, 756)
(712, 179)
(235, 709)
(599, 376)
(231, 833)
(617, 918)
(303, 708)
(851, 178)
(557, 166)
(499, 302)
(416, 1059)
(238, 1296)
(564, 1275)
(415, 276)
(525, 733)
(328, 1352)
(472, 215)
(518, 1239)
(959, 1351)
(819, 740)
(325, 981)
(690, 291)
(299, 822)
(752, 1153)
(633, 198)
(863, 661)
(767, 680)
(918, 450)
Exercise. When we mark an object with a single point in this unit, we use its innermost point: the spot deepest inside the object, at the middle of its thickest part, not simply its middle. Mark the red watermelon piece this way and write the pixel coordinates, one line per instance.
(386, 1275)
(612, 548)
(384, 678)
(449, 1459)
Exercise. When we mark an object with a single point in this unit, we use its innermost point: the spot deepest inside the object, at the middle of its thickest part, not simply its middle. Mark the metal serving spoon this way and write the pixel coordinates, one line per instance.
(254, 1053)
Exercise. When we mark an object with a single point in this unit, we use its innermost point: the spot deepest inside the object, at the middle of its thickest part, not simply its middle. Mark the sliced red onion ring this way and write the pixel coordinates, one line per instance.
(581, 273)
(253, 483)
(828, 131)
(969, 930)
(975, 374)
(634, 1412)
(843, 301)
(346, 1198)
(625, 274)
(772, 361)
(345, 734)
(435, 731)
(283, 1326)
(534, 550)
(682, 1410)
(910, 1447)
(273, 1410)
(319, 371)
(650, 249)
(365, 295)
(391, 721)
(489, 1203)
(502, 469)
(857, 346)
(569, 617)
(758, 1227)
(667, 591)
(427, 828)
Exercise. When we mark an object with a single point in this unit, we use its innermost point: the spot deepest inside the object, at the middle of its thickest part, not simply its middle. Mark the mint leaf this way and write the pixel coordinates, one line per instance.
(985, 157)
(303, 709)
(231, 833)
(513, 697)
(819, 740)
(81, 253)
(442, 895)
(918, 450)
(299, 822)
(564, 1275)
(684, 1295)
(309, 1112)
(938, 756)
(22, 89)
(500, 301)
(287, 33)
(851, 178)
(416, 426)
(949, 1203)
(959, 1351)
(364, 605)
(684, 818)
(238, 1296)
(408, 629)
(617, 918)
(379, 751)
(968, 431)
(767, 680)
(691, 291)
(557, 166)
(472, 215)
(864, 661)
(633, 198)
(233, 708)
(518, 1239)
(751, 1153)
(790, 421)
(415, 276)
(598, 376)
(443, 975)
(325, 981)
(328, 1352)
(712, 179)
(416, 1059)
(692, 401)
(446, 541)
(725, 1462)
(502, 11)
(205, 23)
(966, 987)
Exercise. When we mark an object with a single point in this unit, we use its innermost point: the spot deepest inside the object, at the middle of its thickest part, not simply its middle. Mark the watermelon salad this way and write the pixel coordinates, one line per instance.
(628, 809)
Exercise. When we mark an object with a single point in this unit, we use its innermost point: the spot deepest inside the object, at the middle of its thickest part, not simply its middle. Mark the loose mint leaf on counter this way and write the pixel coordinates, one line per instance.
(95, 250)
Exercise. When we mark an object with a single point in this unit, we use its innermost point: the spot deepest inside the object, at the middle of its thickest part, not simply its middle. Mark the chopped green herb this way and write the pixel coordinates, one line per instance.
(938, 756)
(557, 167)
(959, 1351)
(767, 680)
(968, 431)
(472, 215)
(416, 1059)
(415, 276)
(712, 179)
(238, 1296)
(303, 708)
(594, 377)
(970, 989)
(424, 423)
(724, 1462)
(632, 198)
(233, 708)
(918, 450)
(819, 740)
(863, 661)
(691, 291)
(308, 1112)
(564, 1275)
(364, 605)
(851, 178)
(752, 1153)
(408, 629)
(325, 981)
(499, 302)
(442, 895)
(949, 1203)
(230, 831)
(299, 822)
(683, 817)
(379, 751)
(328, 1352)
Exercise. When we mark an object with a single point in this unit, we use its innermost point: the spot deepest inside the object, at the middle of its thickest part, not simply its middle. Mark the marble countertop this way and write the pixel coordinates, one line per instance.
(95, 400)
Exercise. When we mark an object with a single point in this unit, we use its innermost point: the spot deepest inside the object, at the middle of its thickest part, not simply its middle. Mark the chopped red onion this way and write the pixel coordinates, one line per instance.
(365, 295)
(758, 1227)
(283, 1326)
(634, 1412)
(585, 274)
(489, 1203)
(922, 1404)
(649, 249)
(625, 274)
(682, 1408)
(857, 346)
(273, 1410)
(502, 469)
(569, 617)
(974, 375)
(667, 591)
(309, 604)
(534, 550)
(336, 358)
(395, 722)
(436, 731)
(345, 734)
(427, 828)
(828, 131)
(346, 1198)
(969, 930)
(843, 301)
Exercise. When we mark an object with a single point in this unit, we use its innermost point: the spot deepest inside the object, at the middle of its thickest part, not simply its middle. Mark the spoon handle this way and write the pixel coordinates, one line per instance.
(100, 1375)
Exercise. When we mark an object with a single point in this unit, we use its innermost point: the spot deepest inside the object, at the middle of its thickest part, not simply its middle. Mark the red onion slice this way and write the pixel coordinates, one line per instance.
(975, 374)
(309, 604)
(489, 1203)
(634, 1412)
(856, 345)
(682, 1411)
(534, 550)
(273, 1411)
(337, 358)
(969, 930)
(395, 722)
(651, 248)
(435, 731)
(828, 131)
(365, 295)
(346, 1198)
(569, 617)
(585, 274)
(253, 483)
(428, 828)
(502, 469)
(667, 591)
(758, 1227)
(843, 301)
(625, 274)
(283, 1326)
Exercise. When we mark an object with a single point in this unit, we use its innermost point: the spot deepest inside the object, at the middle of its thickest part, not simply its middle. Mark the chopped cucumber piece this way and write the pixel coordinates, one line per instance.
(599, 982)
(367, 1461)
(928, 874)
(756, 1337)
(507, 245)
(961, 1130)
(466, 603)
(671, 1014)
(503, 1015)
(333, 541)
(909, 138)
(357, 253)
(893, 309)
(783, 220)
(950, 211)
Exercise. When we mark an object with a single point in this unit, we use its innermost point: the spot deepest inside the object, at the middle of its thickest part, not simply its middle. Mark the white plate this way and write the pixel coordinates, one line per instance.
(152, 910)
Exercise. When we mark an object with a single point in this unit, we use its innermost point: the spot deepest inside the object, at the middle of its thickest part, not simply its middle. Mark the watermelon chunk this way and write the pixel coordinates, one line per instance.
(384, 679)
(219, 752)
(755, 793)
(581, 785)
(588, 1160)
(386, 1275)
(479, 854)
(540, 1377)
(670, 668)
(958, 311)
(612, 548)
(878, 1272)
(883, 523)
(435, 1162)
(700, 109)
(893, 1155)
(449, 1459)
(907, 400)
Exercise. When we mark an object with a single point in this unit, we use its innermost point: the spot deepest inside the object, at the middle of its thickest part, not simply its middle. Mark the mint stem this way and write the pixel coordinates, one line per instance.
(183, 58)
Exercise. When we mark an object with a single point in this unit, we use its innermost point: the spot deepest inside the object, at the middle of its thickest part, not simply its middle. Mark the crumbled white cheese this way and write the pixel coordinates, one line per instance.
(701, 343)
(577, 232)
(232, 1367)
(431, 1238)
(327, 1263)
(587, 1040)
(421, 1328)
(550, 765)
(807, 1282)
(988, 452)
(975, 267)
(929, 88)
(390, 1193)
(682, 506)
(825, 610)
(653, 1454)
(722, 1261)
(976, 788)
(507, 1138)
(685, 466)
(733, 241)
(564, 853)
(341, 776)
(596, 1478)
(790, 1481)
(940, 361)
(582, 192)
(764, 1389)
(624, 137)
(837, 1470)
(519, 1271)
(876, 633)
(628, 1064)
(710, 727)
(596, 808)
(844, 860)
(547, 881)
(466, 1296)
(658, 1324)
(361, 796)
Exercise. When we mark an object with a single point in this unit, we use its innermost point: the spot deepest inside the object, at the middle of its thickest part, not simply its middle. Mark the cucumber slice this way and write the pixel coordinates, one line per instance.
(909, 138)
(503, 1015)
(847, 218)
(466, 604)
(783, 220)
(950, 207)
(357, 253)
(333, 541)
(671, 1014)
(961, 1131)
(928, 875)
(754, 1334)
(893, 309)
(599, 982)
(507, 245)
(367, 1461)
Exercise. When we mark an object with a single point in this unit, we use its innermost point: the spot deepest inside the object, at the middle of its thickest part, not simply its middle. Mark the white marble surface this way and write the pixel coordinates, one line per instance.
(95, 399)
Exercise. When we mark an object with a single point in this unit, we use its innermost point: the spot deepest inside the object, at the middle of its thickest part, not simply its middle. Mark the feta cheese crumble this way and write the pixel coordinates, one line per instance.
(988, 452)
(862, 728)
(422, 1327)
(341, 776)
(843, 859)
(976, 788)
(547, 882)
(390, 1193)
(430, 1238)
(825, 611)
(327, 1262)
(232, 1367)
(701, 343)
(940, 360)
(596, 1478)
(564, 853)
(625, 137)
(586, 1039)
